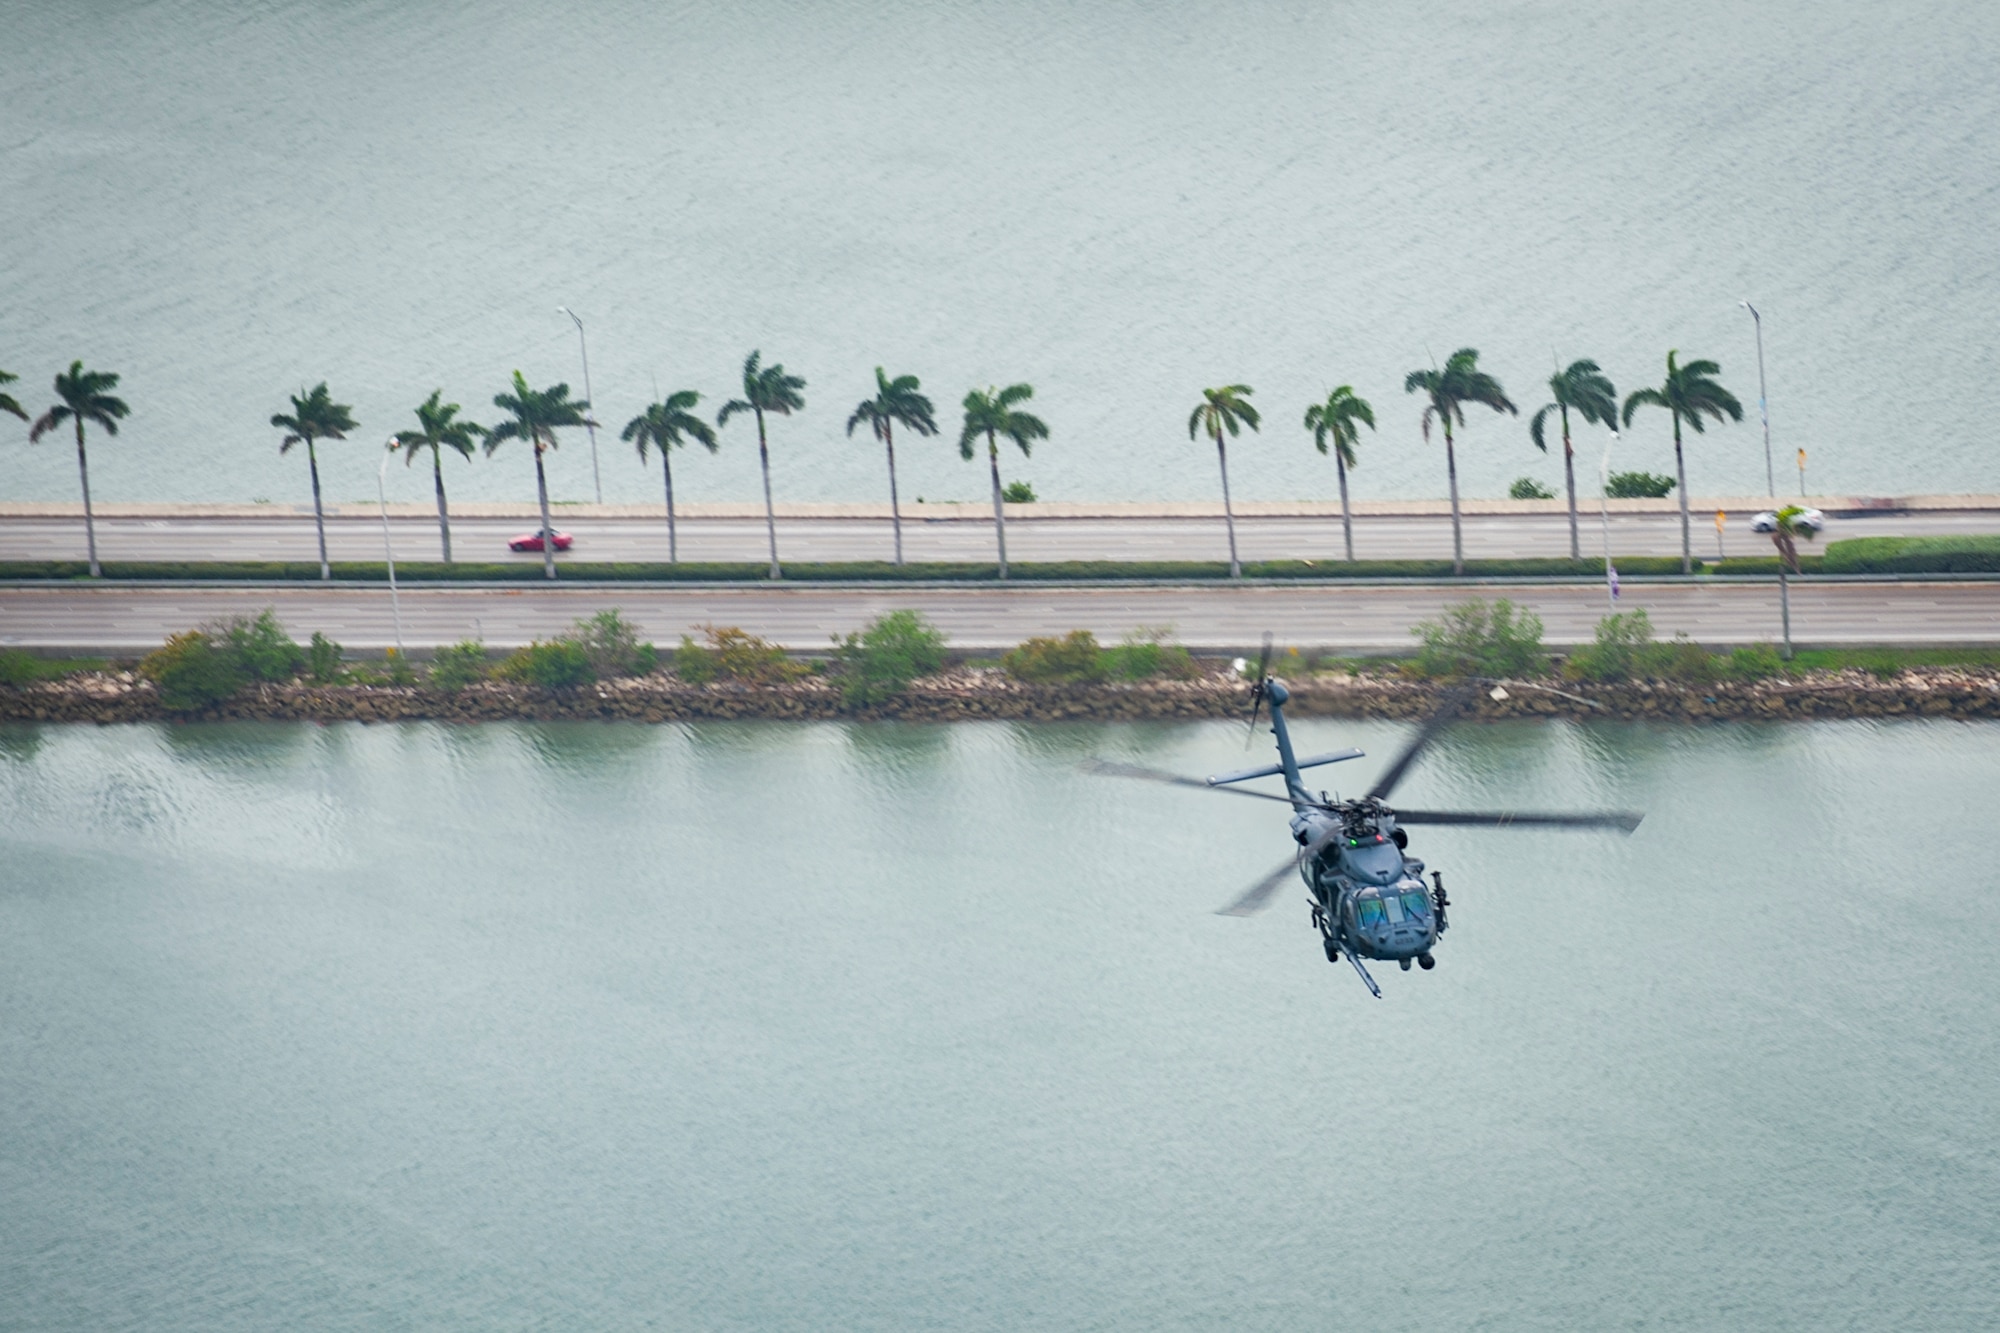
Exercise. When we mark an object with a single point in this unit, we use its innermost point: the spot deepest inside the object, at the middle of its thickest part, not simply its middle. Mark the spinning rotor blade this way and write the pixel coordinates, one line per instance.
(1622, 820)
(1105, 768)
(1257, 689)
(1427, 733)
(1258, 896)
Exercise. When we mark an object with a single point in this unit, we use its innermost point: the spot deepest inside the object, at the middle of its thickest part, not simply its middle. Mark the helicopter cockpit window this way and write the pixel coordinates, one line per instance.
(1370, 912)
(1417, 904)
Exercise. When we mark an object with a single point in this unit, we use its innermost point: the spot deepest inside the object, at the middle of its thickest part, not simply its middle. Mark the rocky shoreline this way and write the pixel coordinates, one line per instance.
(981, 694)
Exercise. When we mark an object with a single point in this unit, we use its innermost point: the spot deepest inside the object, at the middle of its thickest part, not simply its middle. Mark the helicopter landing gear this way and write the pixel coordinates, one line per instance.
(1426, 962)
(1332, 949)
(1405, 962)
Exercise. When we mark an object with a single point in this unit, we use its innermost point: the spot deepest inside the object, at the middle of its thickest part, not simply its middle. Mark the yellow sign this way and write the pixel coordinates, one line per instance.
(1720, 519)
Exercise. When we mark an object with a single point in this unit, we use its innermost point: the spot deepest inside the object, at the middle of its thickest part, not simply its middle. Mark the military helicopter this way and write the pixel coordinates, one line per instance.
(1367, 893)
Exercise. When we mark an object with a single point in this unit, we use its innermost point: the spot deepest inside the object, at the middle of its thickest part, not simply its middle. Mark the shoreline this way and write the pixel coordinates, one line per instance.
(968, 694)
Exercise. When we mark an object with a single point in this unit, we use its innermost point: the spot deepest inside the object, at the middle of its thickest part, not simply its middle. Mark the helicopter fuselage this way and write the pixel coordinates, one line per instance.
(1369, 897)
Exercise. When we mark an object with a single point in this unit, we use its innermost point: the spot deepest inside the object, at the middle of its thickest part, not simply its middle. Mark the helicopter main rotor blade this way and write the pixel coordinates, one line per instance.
(1623, 820)
(1435, 723)
(1107, 768)
(1258, 896)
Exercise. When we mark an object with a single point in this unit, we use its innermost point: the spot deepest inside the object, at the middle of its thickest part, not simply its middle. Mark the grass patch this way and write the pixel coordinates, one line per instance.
(1971, 554)
(19, 668)
(1887, 662)
(281, 571)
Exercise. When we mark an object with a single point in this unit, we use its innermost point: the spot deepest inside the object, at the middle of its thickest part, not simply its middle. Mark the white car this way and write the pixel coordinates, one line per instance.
(1810, 519)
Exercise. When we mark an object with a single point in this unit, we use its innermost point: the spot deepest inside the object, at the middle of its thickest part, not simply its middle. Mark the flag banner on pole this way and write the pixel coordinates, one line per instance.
(1611, 577)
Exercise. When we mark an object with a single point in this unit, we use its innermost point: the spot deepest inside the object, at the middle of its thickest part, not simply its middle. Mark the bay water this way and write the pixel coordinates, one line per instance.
(1121, 203)
(878, 1026)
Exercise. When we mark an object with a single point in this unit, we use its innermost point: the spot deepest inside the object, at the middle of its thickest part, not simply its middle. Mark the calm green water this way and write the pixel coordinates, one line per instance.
(1121, 202)
(900, 1027)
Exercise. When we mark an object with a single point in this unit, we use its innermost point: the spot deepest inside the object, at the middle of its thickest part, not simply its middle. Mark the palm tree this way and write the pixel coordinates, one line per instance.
(538, 414)
(1448, 390)
(895, 401)
(1784, 536)
(1339, 420)
(1584, 387)
(438, 429)
(765, 389)
(315, 417)
(7, 403)
(992, 414)
(86, 396)
(1223, 409)
(669, 424)
(1690, 394)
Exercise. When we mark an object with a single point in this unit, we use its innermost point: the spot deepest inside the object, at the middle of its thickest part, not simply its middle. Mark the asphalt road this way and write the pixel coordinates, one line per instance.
(124, 618)
(289, 536)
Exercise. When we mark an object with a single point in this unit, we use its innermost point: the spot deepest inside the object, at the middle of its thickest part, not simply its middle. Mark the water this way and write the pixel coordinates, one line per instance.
(1119, 202)
(747, 1026)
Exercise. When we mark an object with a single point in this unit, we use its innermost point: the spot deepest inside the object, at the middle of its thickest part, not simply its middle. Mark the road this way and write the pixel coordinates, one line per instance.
(127, 618)
(357, 536)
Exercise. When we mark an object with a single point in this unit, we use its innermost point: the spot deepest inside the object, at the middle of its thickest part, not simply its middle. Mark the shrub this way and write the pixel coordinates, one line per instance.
(1074, 658)
(1477, 638)
(323, 659)
(1018, 493)
(879, 662)
(1146, 653)
(553, 664)
(460, 665)
(193, 671)
(260, 646)
(694, 663)
(1637, 486)
(1759, 661)
(612, 645)
(1527, 488)
(733, 654)
(1619, 644)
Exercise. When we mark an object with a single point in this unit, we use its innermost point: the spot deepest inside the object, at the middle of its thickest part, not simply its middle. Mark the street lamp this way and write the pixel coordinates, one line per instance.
(1763, 402)
(388, 554)
(596, 478)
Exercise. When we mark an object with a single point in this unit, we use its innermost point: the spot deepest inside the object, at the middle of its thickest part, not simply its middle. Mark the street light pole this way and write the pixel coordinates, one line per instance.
(1763, 402)
(388, 554)
(1604, 523)
(589, 424)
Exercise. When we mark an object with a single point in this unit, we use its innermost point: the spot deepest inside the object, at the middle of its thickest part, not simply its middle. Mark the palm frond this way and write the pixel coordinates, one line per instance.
(1535, 424)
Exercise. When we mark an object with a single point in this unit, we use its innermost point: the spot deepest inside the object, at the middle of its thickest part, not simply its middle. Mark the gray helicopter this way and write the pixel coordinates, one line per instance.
(1368, 895)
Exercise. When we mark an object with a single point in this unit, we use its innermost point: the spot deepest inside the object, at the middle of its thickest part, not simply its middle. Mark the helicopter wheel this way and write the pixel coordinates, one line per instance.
(1332, 950)
(1426, 962)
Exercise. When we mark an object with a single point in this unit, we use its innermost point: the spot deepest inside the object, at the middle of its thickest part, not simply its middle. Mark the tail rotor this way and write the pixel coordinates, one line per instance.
(1257, 690)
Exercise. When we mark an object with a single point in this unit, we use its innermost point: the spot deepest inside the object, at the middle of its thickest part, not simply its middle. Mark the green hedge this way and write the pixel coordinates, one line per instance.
(1914, 555)
(845, 571)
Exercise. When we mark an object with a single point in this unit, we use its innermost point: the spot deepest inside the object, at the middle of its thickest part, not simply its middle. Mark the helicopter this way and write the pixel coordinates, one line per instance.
(1368, 896)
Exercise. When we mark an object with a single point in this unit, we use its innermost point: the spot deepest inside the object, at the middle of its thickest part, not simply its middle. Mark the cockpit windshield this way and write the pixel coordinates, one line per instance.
(1416, 904)
(1370, 912)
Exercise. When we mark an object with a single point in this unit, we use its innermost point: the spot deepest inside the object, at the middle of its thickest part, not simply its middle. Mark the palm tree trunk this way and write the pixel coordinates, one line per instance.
(1228, 513)
(1569, 480)
(1451, 471)
(667, 467)
(548, 528)
(319, 515)
(1346, 519)
(444, 513)
(1785, 607)
(1681, 479)
(770, 515)
(895, 510)
(89, 519)
(999, 515)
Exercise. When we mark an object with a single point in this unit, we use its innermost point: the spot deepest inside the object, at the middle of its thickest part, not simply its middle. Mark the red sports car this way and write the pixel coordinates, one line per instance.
(532, 541)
